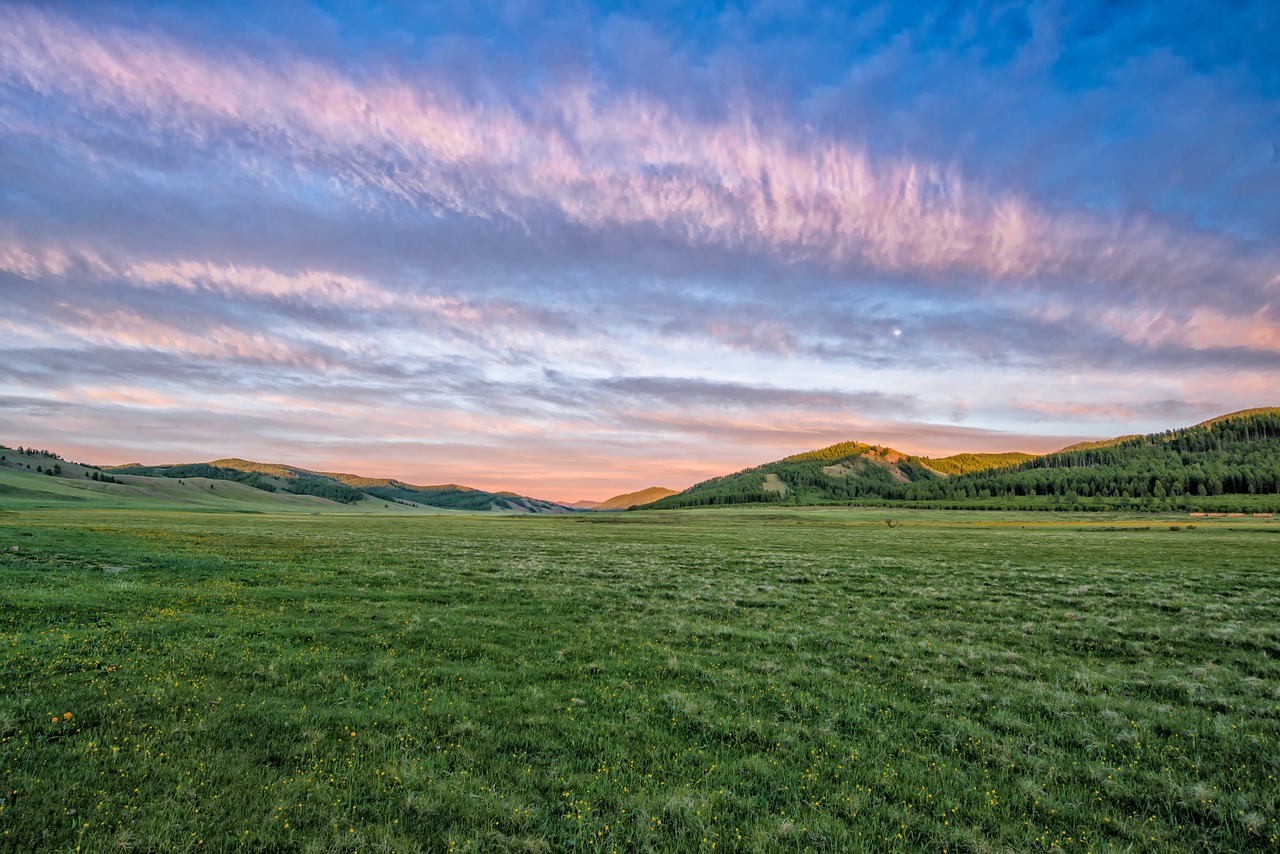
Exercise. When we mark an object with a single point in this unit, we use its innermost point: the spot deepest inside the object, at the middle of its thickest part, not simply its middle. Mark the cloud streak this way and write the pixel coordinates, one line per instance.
(594, 262)
(602, 161)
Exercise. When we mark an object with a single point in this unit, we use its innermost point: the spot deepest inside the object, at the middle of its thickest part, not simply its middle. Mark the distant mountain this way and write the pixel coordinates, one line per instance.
(635, 499)
(844, 471)
(1226, 462)
(39, 478)
(348, 488)
(583, 505)
(1230, 463)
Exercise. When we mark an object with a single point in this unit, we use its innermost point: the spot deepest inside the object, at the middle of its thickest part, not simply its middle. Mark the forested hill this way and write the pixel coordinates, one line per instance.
(842, 472)
(1224, 460)
(348, 488)
(1230, 463)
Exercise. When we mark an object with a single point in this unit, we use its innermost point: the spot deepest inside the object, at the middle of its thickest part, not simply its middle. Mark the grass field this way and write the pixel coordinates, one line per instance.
(767, 680)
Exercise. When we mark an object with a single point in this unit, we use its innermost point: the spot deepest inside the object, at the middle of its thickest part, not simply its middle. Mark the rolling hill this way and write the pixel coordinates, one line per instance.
(635, 499)
(1231, 462)
(41, 479)
(349, 488)
(844, 471)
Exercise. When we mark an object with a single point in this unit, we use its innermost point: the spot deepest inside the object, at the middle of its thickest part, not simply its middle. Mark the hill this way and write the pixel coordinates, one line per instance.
(635, 499)
(1231, 463)
(349, 488)
(1243, 413)
(970, 463)
(42, 479)
(842, 472)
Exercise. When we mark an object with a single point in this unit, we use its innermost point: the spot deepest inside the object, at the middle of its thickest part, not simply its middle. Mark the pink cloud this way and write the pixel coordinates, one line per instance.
(605, 160)
(125, 396)
(1202, 328)
(492, 321)
(126, 328)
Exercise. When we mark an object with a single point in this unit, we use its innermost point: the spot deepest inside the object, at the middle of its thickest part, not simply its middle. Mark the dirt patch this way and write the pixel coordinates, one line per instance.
(888, 462)
(839, 470)
(888, 465)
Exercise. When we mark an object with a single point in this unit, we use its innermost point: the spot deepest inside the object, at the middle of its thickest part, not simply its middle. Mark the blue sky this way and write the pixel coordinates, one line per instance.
(575, 250)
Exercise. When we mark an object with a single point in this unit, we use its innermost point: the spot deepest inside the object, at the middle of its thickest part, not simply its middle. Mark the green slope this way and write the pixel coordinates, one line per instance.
(1243, 413)
(842, 472)
(970, 463)
(350, 488)
(20, 488)
(849, 470)
(1231, 462)
(463, 498)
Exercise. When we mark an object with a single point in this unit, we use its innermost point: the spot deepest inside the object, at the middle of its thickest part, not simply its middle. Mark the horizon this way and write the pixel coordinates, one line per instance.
(487, 481)
(578, 252)
(496, 487)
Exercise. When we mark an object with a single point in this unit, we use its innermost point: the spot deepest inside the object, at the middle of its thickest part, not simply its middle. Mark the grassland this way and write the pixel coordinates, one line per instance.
(21, 489)
(715, 680)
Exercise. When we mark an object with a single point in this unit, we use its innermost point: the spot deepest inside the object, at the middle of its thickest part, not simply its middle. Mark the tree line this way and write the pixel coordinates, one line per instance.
(1204, 467)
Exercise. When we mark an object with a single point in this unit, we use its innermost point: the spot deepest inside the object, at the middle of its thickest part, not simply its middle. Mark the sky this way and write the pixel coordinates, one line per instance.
(574, 250)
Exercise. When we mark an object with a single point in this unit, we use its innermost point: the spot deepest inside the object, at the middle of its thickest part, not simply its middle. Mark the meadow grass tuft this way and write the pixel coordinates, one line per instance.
(759, 681)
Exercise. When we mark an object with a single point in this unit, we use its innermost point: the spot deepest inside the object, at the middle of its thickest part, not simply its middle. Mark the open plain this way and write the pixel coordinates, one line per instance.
(799, 679)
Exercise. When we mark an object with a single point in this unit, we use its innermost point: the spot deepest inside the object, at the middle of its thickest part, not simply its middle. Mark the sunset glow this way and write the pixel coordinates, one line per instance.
(572, 252)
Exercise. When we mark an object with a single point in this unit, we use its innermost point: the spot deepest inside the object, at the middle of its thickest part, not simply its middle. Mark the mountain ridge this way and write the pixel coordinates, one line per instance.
(1234, 454)
(1230, 459)
(346, 488)
(634, 499)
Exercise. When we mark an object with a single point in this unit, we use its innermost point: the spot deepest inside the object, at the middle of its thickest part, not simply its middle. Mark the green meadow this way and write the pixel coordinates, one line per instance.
(750, 680)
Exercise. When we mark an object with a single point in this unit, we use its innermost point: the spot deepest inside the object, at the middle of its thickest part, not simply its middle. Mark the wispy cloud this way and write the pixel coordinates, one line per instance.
(623, 250)
(600, 160)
